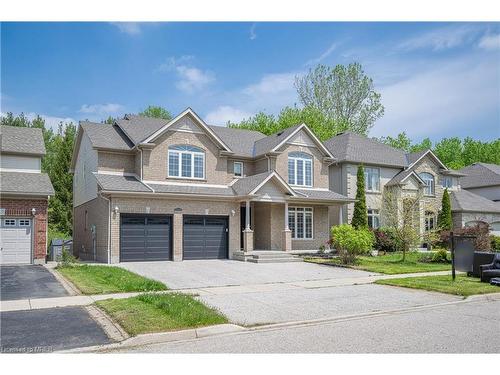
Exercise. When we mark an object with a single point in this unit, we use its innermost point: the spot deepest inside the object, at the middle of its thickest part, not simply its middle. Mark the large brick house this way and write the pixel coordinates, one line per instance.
(151, 189)
(24, 194)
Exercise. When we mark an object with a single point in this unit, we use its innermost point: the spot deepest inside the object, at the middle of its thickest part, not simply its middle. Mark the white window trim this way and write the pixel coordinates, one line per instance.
(240, 163)
(24, 220)
(192, 153)
(304, 160)
(294, 209)
(5, 221)
(433, 186)
(372, 190)
(373, 214)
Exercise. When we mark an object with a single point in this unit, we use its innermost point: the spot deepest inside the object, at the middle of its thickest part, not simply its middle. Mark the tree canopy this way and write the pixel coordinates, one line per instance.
(343, 94)
(156, 112)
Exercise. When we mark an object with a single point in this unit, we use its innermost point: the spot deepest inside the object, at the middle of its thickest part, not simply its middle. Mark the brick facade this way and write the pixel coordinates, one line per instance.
(23, 208)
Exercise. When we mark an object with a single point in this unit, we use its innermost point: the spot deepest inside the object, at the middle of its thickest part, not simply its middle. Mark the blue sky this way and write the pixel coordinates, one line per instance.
(436, 79)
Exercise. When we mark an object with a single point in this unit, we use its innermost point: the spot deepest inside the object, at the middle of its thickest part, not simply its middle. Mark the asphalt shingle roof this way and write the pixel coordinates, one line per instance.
(480, 174)
(352, 147)
(106, 136)
(323, 195)
(245, 185)
(120, 183)
(193, 189)
(138, 128)
(463, 200)
(22, 140)
(240, 141)
(414, 156)
(25, 183)
(266, 144)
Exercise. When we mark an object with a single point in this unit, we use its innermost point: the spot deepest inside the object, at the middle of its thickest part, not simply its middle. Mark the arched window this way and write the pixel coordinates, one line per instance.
(429, 183)
(185, 161)
(300, 169)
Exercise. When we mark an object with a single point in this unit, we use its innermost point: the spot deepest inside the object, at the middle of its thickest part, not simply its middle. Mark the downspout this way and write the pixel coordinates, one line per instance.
(141, 164)
(109, 227)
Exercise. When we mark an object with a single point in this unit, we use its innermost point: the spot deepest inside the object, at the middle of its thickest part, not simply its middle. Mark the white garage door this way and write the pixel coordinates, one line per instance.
(15, 240)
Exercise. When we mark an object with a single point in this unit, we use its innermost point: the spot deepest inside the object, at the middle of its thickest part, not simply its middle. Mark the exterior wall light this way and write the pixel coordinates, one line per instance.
(33, 211)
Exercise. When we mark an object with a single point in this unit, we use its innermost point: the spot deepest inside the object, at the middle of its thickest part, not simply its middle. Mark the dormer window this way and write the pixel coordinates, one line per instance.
(429, 183)
(300, 169)
(185, 161)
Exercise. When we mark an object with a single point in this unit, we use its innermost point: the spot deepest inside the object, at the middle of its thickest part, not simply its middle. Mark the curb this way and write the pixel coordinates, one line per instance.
(68, 285)
(162, 337)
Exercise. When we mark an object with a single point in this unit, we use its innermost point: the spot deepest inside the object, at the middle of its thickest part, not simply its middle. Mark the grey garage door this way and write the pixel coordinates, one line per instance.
(205, 237)
(145, 238)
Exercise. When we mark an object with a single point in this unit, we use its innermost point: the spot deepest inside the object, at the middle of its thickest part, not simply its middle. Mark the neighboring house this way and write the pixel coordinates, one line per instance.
(388, 170)
(24, 194)
(482, 179)
(470, 209)
(151, 189)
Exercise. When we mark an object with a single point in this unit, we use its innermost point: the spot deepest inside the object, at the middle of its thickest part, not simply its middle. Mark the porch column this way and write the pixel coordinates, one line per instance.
(248, 232)
(286, 236)
(341, 211)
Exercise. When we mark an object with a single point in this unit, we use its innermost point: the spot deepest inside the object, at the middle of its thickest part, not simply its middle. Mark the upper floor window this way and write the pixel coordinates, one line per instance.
(238, 168)
(186, 161)
(372, 179)
(300, 169)
(447, 182)
(429, 183)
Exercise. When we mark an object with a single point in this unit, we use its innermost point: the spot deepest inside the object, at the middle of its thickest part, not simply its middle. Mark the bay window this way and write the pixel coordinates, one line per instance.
(300, 222)
(300, 169)
(186, 161)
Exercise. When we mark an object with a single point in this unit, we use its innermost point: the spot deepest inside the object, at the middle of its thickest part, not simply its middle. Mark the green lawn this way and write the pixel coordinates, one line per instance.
(389, 264)
(462, 286)
(148, 313)
(91, 279)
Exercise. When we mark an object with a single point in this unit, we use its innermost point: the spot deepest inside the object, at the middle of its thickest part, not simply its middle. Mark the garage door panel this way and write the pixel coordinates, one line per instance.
(205, 237)
(145, 238)
(15, 241)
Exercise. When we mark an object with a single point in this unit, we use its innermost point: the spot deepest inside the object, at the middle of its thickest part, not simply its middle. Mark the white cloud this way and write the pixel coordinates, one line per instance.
(191, 79)
(253, 34)
(444, 100)
(442, 38)
(101, 109)
(271, 84)
(221, 115)
(130, 28)
(323, 56)
(490, 42)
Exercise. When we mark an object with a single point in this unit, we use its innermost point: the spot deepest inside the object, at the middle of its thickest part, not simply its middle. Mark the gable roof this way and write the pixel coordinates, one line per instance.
(353, 147)
(415, 157)
(402, 176)
(273, 142)
(251, 184)
(22, 140)
(463, 200)
(199, 121)
(480, 175)
(241, 141)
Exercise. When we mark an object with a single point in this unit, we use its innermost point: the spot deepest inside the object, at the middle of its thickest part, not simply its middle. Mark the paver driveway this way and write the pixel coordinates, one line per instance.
(278, 292)
(212, 273)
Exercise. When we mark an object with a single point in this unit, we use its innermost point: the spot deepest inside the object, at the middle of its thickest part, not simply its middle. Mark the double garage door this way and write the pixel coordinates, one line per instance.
(15, 241)
(149, 237)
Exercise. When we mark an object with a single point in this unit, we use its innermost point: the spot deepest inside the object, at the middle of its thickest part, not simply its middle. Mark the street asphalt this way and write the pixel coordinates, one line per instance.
(47, 330)
(471, 327)
(30, 281)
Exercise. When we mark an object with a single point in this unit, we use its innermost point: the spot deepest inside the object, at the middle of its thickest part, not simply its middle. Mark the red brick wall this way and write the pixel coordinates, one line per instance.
(22, 208)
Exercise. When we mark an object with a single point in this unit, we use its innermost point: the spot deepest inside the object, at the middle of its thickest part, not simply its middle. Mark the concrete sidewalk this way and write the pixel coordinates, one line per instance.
(81, 300)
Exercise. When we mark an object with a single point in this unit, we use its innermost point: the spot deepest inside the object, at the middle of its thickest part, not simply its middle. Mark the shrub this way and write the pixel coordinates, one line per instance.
(360, 215)
(386, 240)
(481, 232)
(495, 243)
(67, 259)
(440, 256)
(350, 242)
